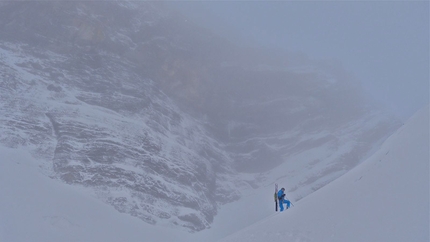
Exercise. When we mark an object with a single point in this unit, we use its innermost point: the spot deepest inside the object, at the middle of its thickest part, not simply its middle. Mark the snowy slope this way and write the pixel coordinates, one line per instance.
(385, 198)
(36, 208)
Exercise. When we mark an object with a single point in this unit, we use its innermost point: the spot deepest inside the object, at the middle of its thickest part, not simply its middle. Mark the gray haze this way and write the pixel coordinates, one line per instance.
(167, 121)
(384, 44)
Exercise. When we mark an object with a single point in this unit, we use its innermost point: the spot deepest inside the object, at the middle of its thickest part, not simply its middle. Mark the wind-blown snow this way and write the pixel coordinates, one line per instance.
(386, 198)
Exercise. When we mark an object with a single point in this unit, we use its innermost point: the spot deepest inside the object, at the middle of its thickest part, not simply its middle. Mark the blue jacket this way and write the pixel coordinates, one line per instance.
(281, 195)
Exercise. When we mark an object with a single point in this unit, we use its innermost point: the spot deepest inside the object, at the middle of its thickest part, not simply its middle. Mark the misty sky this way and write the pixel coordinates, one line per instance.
(384, 44)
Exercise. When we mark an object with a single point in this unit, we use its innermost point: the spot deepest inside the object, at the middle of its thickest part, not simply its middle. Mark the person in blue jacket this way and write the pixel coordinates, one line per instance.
(282, 200)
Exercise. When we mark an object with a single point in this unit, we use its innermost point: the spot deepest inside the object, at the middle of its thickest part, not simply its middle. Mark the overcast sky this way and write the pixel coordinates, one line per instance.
(384, 44)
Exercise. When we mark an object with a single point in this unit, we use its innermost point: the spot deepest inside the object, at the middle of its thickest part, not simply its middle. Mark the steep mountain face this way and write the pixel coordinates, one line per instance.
(158, 116)
(100, 123)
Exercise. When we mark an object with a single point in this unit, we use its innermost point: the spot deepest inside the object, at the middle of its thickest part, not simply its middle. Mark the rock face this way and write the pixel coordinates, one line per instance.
(160, 117)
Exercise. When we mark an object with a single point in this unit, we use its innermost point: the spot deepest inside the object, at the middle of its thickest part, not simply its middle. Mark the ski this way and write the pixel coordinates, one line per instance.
(276, 197)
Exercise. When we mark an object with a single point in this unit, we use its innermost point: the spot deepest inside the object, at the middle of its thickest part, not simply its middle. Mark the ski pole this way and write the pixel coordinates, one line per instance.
(292, 204)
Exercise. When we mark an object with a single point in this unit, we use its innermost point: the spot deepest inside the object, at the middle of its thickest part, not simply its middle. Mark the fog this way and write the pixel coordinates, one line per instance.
(167, 121)
(383, 44)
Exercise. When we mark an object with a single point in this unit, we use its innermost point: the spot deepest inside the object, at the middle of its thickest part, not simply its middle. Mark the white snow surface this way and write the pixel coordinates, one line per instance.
(386, 198)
